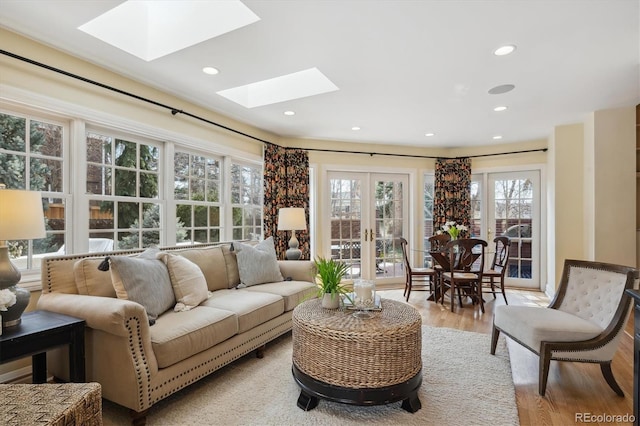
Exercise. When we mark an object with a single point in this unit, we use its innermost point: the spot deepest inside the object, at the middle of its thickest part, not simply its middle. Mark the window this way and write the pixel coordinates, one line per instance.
(246, 202)
(123, 183)
(32, 155)
(196, 190)
(113, 192)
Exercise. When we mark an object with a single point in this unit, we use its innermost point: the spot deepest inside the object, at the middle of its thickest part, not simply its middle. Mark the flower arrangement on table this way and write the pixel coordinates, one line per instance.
(7, 299)
(453, 229)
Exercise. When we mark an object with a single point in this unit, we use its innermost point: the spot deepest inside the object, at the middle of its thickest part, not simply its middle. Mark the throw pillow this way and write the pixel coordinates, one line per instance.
(144, 280)
(188, 281)
(257, 264)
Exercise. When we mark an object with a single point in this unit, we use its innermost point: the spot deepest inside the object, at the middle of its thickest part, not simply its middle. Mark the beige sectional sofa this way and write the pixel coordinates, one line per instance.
(139, 364)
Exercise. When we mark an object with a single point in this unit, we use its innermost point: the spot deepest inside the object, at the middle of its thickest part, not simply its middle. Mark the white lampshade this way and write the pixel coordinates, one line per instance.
(21, 216)
(291, 219)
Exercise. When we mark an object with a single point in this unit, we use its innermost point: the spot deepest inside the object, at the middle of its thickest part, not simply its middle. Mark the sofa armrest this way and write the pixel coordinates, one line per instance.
(100, 313)
(298, 270)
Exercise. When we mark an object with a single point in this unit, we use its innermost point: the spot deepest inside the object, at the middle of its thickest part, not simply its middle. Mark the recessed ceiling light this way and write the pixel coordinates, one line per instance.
(504, 50)
(289, 113)
(429, 134)
(503, 88)
(355, 128)
(500, 108)
(210, 70)
(497, 137)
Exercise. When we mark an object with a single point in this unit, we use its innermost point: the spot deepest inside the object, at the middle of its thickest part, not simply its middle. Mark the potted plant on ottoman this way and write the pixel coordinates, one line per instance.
(330, 274)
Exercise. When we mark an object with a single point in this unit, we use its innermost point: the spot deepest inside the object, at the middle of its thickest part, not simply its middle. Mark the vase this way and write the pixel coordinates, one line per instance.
(11, 317)
(364, 298)
(330, 301)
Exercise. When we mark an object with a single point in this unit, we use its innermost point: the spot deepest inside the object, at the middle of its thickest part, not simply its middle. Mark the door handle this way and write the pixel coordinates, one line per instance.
(366, 231)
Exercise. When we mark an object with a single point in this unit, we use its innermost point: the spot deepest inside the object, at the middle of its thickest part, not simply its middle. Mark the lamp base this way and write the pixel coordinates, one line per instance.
(293, 254)
(11, 317)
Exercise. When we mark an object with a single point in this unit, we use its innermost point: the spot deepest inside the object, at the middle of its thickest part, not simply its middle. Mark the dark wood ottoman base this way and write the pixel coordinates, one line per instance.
(312, 390)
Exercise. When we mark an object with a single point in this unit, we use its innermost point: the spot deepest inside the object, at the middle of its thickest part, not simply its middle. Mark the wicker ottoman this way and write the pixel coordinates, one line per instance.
(63, 404)
(357, 361)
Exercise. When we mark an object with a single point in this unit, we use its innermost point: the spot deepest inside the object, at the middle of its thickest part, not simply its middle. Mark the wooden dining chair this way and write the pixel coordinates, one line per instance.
(423, 276)
(439, 242)
(498, 267)
(466, 257)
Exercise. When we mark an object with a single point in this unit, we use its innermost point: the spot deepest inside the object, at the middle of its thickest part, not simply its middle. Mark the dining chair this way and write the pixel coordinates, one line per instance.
(583, 323)
(438, 242)
(498, 267)
(423, 276)
(466, 258)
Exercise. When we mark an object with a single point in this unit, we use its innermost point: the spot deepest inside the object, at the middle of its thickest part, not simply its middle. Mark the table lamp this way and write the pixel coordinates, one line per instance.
(292, 219)
(21, 218)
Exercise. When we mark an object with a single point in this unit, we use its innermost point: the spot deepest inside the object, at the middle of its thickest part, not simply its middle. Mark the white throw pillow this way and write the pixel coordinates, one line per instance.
(257, 264)
(187, 279)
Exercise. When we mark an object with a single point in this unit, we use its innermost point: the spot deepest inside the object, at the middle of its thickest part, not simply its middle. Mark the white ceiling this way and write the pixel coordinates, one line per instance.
(404, 68)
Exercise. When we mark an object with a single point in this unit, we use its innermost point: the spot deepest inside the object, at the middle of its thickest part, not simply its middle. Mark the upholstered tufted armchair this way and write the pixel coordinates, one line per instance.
(583, 323)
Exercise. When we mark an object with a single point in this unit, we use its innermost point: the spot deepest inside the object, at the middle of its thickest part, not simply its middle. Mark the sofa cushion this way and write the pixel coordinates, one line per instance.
(257, 264)
(212, 262)
(144, 280)
(187, 280)
(251, 308)
(293, 292)
(179, 335)
(231, 262)
(90, 280)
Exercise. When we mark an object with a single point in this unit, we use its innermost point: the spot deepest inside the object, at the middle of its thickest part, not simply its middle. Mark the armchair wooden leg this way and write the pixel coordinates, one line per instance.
(494, 339)
(605, 367)
(543, 373)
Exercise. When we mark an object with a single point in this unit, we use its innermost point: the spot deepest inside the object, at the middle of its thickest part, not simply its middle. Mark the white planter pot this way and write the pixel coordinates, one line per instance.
(330, 301)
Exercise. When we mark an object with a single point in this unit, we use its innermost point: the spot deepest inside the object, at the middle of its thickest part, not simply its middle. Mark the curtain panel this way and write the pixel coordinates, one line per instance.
(452, 192)
(286, 184)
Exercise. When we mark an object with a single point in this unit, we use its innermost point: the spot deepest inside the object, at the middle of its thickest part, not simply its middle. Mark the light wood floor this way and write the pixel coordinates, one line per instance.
(572, 387)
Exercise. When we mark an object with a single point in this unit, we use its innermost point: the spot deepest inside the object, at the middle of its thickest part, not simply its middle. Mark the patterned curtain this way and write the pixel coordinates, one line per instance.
(452, 192)
(286, 184)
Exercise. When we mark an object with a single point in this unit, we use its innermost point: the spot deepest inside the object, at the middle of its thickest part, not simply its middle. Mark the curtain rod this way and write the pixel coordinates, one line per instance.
(175, 111)
(419, 156)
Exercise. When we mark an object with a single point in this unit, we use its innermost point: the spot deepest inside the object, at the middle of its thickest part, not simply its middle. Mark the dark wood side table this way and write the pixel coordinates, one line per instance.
(40, 331)
(636, 356)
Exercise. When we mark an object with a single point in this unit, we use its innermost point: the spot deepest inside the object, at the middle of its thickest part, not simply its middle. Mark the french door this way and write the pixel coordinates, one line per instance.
(368, 213)
(514, 210)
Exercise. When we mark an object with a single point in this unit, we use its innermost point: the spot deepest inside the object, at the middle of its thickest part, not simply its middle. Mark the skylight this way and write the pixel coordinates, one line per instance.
(296, 85)
(152, 29)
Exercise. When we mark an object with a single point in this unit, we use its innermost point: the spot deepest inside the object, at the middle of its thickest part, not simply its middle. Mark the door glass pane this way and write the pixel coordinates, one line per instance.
(388, 228)
(514, 201)
(345, 216)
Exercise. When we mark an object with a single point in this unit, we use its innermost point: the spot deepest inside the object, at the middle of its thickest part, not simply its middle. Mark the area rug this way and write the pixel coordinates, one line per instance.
(462, 385)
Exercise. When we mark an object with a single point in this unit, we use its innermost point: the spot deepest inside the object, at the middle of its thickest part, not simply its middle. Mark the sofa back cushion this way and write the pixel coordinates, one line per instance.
(212, 262)
(231, 262)
(90, 280)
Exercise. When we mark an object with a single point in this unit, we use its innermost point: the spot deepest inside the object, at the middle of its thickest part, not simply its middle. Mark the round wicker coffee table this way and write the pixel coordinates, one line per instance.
(373, 361)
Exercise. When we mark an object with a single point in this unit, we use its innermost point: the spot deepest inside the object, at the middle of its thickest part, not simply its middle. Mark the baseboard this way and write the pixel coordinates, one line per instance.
(21, 375)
